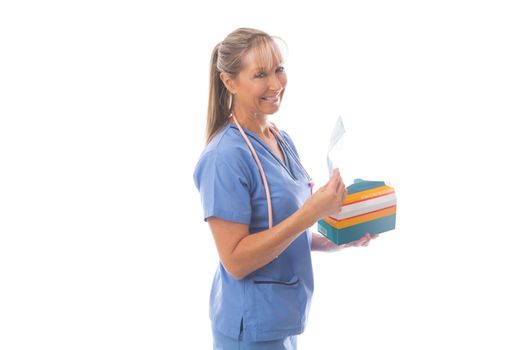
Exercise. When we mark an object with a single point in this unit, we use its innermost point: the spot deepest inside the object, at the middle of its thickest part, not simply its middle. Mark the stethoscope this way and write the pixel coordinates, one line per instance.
(276, 133)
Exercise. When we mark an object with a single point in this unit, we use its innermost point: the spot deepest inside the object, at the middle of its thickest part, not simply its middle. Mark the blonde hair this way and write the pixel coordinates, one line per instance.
(227, 57)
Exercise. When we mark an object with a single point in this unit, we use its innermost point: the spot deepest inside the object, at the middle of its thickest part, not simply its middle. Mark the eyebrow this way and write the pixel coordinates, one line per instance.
(258, 69)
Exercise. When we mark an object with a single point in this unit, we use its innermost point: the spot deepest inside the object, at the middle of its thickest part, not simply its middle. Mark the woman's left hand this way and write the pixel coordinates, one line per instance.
(322, 243)
(362, 242)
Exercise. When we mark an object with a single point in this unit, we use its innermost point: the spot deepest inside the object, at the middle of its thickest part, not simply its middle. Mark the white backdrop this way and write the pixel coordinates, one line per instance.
(102, 115)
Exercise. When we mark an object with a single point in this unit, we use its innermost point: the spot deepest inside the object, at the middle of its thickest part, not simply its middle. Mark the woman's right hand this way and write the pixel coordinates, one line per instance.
(328, 199)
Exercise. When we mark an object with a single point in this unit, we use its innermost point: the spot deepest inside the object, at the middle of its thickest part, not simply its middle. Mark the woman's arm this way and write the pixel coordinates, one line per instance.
(242, 253)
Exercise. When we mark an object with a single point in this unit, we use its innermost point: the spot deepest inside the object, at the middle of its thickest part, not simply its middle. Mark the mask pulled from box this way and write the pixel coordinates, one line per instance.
(369, 206)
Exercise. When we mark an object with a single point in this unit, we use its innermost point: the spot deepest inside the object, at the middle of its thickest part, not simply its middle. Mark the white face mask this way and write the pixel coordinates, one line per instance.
(334, 157)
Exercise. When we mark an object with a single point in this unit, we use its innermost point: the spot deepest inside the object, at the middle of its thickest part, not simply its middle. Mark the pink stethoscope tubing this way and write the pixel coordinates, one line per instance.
(261, 170)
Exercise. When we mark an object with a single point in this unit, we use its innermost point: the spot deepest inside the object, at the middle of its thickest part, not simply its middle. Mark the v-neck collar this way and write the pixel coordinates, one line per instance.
(286, 165)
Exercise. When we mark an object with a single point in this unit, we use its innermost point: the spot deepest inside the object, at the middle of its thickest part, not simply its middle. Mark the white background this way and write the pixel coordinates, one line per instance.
(102, 116)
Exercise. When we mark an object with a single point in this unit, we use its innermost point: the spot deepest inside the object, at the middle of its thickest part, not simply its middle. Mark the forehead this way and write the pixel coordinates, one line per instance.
(265, 55)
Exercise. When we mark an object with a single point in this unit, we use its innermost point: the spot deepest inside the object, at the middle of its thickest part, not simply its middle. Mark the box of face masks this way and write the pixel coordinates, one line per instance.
(369, 207)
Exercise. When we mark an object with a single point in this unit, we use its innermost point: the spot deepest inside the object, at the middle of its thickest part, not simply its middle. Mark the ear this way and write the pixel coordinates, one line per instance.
(228, 82)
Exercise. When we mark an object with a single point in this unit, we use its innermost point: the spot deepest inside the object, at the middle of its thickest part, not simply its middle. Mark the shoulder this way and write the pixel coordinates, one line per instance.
(226, 152)
(227, 146)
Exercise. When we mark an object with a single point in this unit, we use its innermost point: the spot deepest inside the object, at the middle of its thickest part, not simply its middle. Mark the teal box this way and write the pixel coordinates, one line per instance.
(369, 207)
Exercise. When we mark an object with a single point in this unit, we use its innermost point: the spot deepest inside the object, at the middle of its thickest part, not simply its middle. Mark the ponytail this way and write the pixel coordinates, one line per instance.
(218, 101)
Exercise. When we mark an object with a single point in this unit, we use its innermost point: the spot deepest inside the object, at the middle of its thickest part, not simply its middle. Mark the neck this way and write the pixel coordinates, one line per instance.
(255, 122)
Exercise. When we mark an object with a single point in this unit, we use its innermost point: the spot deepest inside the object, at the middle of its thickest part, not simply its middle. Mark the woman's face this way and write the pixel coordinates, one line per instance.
(258, 89)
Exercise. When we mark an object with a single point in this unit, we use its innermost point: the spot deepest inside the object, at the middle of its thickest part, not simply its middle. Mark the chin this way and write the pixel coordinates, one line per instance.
(270, 110)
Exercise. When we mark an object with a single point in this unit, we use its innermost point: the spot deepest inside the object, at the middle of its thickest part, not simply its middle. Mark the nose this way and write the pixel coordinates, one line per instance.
(275, 83)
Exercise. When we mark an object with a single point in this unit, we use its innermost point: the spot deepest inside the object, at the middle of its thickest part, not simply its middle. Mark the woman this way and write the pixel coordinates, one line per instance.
(262, 289)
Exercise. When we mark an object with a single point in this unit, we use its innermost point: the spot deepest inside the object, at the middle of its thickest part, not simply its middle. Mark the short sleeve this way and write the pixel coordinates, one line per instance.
(223, 187)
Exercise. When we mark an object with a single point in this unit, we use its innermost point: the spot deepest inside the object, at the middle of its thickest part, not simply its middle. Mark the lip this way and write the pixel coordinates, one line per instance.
(272, 98)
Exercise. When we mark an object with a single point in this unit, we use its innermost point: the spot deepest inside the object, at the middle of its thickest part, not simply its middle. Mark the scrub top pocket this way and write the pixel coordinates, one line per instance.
(279, 304)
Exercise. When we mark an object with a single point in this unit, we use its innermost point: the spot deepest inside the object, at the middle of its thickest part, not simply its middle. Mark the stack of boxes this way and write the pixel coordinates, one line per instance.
(369, 207)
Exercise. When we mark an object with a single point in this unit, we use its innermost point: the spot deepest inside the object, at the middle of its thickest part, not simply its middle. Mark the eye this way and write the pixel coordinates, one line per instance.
(260, 74)
(279, 69)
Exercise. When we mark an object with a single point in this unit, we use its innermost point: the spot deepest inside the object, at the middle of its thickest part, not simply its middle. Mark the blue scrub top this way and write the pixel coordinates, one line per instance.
(273, 301)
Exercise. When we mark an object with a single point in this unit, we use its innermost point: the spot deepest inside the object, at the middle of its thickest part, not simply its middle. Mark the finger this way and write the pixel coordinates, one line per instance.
(356, 243)
(342, 191)
(333, 183)
(365, 237)
(335, 174)
(363, 241)
(369, 238)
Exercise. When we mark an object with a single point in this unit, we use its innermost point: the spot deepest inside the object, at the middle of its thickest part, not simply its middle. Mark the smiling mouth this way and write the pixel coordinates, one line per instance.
(271, 98)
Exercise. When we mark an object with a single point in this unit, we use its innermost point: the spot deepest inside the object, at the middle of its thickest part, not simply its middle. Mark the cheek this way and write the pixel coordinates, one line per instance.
(258, 91)
(251, 91)
(284, 81)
